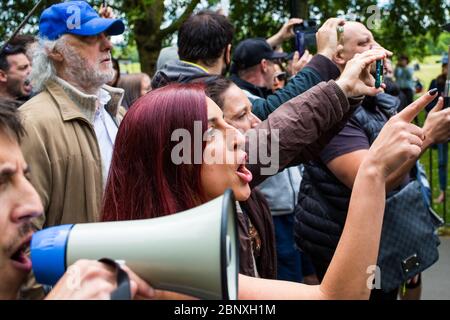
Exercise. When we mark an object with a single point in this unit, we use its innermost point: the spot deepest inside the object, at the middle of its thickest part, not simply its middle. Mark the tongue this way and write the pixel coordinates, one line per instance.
(244, 174)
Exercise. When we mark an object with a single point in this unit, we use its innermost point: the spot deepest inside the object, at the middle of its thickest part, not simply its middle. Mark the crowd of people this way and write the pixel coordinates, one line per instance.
(80, 142)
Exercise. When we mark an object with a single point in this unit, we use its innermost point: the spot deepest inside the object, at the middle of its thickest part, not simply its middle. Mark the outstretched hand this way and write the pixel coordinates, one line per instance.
(399, 140)
(437, 123)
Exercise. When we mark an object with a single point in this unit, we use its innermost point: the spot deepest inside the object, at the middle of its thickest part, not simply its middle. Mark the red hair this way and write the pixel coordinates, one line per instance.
(143, 181)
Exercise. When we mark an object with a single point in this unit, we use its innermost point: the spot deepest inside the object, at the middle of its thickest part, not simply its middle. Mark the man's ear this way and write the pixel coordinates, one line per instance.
(55, 56)
(264, 65)
(228, 54)
(338, 57)
(3, 76)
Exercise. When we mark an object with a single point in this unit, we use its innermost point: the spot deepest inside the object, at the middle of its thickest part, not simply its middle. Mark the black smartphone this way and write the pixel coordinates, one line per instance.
(305, 35)
(300, 42)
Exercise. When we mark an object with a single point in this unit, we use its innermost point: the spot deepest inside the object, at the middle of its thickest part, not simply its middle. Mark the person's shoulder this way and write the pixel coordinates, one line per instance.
(38, 107)
(40, 112)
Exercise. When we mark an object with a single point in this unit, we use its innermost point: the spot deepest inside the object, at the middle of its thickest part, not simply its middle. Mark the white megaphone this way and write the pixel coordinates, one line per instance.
(194, 252)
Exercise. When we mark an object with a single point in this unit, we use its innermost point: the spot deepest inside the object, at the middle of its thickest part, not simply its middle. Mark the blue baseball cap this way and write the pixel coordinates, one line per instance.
(78, 18)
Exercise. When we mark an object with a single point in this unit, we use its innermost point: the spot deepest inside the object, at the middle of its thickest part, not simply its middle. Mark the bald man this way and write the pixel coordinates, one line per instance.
(327, 183)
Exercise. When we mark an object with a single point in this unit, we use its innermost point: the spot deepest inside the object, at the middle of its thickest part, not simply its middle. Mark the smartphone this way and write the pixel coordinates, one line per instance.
(379, 73)
(300, 42)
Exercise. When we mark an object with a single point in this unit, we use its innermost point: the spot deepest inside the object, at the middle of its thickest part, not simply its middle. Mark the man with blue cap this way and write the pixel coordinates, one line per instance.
(73, 121)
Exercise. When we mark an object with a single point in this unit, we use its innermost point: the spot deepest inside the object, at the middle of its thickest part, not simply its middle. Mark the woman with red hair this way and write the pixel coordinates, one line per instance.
(147, 181)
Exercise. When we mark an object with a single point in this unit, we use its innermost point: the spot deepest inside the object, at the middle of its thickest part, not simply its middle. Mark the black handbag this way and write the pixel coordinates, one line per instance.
(409, 241)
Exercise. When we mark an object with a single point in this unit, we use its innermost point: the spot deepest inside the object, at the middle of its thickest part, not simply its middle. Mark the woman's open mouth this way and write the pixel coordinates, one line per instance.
(243, 172)
(20, 259)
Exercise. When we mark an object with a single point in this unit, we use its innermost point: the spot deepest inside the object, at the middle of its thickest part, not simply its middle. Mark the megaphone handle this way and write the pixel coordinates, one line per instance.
(123, 290)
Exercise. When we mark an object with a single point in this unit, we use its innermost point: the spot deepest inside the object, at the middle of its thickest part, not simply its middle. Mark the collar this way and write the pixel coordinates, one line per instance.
(196, 65)
(261, 92)
(75, 104)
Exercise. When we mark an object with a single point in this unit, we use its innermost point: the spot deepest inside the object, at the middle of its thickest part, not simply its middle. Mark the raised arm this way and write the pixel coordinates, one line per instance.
(305, 124)
(349, 272)
(436, 129)
(319, 69)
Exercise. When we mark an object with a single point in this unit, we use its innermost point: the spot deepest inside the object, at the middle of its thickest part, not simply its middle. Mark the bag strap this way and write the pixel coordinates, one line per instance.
(123, 290)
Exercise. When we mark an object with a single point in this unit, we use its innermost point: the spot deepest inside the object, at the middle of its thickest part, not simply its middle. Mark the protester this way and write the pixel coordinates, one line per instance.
(404, 78)
(71, 124)
(280, 190)
(168, 54)
(204, 47)
(135, 86)
(439, 84)
(327, 184)
(279, 78)
(186, 185)
(20, 205)
(255, 64)
(14, 71)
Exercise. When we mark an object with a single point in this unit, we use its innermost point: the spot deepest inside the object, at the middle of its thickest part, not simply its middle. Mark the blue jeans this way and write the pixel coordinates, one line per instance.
(289, 264)
(292, 264)
(443, 165)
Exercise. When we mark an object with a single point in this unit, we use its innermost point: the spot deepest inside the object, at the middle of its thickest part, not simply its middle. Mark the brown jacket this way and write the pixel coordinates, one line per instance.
(63, 154)
(306, 124)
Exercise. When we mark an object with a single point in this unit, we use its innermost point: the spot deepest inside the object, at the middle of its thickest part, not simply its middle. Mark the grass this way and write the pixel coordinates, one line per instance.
(430, 69)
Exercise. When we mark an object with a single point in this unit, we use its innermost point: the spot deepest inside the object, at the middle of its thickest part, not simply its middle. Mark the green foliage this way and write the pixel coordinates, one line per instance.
(403, 26)
(12, 12)
(406, 26)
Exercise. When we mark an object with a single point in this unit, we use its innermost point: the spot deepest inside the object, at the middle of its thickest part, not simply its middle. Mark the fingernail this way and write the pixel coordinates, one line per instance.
(432, 92)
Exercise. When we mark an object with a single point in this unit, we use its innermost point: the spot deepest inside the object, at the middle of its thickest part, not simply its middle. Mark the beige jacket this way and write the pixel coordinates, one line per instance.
(63, 154)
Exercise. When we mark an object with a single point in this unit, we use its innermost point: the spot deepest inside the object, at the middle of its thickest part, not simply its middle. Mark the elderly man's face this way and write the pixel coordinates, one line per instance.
(19, 204)
(91, 57)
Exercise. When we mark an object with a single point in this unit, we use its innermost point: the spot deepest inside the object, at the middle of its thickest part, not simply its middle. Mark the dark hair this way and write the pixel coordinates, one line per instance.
(116, 67)
(204, 37)
(9, 50)
(131, 83)
(404, 57)
(9, 120)
(215, 89)
(143, 180)
(23, 40)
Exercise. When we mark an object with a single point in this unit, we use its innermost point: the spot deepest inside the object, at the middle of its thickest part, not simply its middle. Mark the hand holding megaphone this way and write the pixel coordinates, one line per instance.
(93, 280)
(194, 252)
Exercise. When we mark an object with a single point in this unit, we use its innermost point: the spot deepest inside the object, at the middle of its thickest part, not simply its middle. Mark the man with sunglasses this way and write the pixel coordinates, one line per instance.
(14, 70)
(254, 67)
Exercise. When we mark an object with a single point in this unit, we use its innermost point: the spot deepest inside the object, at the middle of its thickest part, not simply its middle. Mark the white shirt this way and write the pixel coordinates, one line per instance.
(106, 131)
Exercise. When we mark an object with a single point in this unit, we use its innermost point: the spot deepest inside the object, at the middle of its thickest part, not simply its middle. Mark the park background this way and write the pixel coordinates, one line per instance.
(410, 27)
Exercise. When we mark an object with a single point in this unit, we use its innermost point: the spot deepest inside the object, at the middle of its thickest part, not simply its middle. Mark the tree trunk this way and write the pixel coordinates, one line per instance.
(300, 9)
(148, 55)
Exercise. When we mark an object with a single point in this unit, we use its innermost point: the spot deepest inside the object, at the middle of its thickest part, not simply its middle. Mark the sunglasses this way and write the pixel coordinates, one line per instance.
(281, 76)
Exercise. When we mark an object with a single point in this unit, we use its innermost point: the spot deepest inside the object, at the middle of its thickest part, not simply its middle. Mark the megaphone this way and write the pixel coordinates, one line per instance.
(193, 252)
